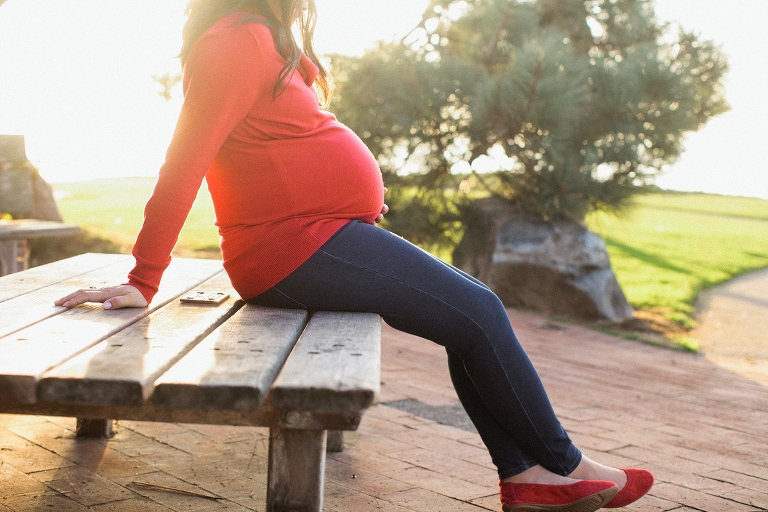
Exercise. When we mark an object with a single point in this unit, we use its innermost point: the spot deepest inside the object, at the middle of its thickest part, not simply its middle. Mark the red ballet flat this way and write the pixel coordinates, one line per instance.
(582, 496)
(639, 482)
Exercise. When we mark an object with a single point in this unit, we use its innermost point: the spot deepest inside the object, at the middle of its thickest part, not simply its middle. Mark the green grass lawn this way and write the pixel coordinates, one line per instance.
(671, 247)
(113, 209)
(665, 251)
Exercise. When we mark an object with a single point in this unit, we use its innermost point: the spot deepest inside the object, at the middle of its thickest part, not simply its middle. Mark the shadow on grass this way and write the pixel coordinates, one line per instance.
(644, 256)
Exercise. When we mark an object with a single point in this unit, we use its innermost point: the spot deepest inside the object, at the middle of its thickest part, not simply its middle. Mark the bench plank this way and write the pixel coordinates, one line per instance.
(122, 369)
(234, 367)
(30, 352)
(265, 416)
(335, 366)
(31, 308)
(32, 228)
(14, 285)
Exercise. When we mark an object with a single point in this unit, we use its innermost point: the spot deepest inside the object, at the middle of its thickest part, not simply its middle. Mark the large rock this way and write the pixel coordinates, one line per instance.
(557, 268)
(23, 193)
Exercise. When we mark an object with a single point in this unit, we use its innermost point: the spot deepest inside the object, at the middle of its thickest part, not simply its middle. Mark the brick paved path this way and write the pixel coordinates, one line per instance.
(700, 428)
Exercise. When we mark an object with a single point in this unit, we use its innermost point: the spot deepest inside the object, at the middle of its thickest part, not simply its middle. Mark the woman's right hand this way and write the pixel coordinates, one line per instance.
(111, 297)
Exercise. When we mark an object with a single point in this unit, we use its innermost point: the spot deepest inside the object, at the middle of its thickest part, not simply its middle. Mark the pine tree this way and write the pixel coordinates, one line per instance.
(578, 103)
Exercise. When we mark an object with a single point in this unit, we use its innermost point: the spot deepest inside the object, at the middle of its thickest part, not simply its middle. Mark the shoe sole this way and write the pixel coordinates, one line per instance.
(586, 504)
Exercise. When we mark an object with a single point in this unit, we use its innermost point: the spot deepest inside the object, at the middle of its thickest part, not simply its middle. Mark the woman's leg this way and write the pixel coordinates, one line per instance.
(364, 268)
(510, 458)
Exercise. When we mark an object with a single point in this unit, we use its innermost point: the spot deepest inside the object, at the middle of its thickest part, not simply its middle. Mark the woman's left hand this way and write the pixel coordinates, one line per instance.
(112, 297)
(384, 210)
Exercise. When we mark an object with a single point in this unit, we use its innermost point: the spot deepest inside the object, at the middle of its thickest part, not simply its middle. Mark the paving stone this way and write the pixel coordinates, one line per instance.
(598, 443)
(381, 443)
(442, 484)
(14, 482)
(422, 500)
(651, 503)
(740, 479)
(94, 454)
(339, 498)
(363, 480)
(492, 502)
(134, 444)
(139, 504)
(27, 456)
(172, 500)
(229, 506)
(361, 455)
(230, 434)
(445, 464)
(82, 485)
(749, 497)
(698, 500)
(49, 500)
(15, 420)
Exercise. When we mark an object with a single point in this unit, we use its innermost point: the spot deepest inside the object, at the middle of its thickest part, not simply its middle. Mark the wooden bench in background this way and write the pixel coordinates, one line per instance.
(29, 201)
(14, 254)
(299, 374)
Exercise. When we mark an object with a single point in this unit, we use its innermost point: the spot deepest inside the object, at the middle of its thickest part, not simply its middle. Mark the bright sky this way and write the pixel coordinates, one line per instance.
(76, 80)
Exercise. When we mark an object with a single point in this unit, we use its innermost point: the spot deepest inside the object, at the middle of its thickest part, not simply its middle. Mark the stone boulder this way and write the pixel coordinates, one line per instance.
(557, 268)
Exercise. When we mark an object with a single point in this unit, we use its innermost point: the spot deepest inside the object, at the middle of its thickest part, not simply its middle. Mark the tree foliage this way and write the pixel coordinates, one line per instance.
(560, 106)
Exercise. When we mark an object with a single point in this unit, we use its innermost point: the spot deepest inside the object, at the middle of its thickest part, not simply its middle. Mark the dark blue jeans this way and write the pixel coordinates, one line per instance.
(365, 268)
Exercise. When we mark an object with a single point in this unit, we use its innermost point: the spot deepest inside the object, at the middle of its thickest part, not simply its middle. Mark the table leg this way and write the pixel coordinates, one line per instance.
(93, 428)
(14, 256)
(296, 471)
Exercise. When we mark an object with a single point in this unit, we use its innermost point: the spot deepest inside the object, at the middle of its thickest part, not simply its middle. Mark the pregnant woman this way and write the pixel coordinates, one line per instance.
(297, 196)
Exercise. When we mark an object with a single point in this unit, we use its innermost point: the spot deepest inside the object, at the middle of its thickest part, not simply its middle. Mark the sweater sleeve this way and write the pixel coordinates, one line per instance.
(222, 80)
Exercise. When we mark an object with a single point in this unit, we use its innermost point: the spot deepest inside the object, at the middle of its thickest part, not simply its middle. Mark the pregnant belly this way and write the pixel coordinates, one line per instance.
(329, 175)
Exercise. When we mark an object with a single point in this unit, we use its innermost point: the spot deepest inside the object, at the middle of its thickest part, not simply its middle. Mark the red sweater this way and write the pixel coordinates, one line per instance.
(283, 174)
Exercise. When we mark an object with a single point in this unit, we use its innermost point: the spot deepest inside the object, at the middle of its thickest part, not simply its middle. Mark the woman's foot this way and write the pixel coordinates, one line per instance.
(581, 496)
(591, 470)
(639, 482)
(539, 475)
(633, 483)
(539, 489)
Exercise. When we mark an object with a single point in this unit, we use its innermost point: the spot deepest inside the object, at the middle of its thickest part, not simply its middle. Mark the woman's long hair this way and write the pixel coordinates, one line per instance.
(204, 13)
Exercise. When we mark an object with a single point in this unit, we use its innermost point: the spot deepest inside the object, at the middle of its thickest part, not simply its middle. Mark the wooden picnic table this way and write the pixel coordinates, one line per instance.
(299, 374)
(14, 234)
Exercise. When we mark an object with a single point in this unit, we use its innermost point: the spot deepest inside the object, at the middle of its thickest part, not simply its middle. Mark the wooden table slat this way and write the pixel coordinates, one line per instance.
(121, 371)
(335, 366)
(234, 367)
(30, 352)
(31, 308)
(33, 228)
(14, 285)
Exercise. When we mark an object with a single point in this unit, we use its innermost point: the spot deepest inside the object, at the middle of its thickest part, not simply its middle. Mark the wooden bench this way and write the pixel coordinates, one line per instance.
(299, 374)
(24, 195)
(14, 255)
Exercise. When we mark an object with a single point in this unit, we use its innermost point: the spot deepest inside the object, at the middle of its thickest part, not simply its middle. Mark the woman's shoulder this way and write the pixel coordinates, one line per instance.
(238, 30)
(240, 23)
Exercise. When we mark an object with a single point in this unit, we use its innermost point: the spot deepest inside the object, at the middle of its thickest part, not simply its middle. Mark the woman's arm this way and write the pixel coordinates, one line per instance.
(222, 81)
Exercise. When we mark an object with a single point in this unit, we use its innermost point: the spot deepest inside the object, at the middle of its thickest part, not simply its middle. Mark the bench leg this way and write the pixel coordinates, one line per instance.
(335, 441)
(296, 471)
(93, 428)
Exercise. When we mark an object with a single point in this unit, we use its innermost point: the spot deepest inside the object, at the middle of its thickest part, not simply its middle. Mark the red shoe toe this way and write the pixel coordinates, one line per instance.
(639, 482)
(582, 496)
